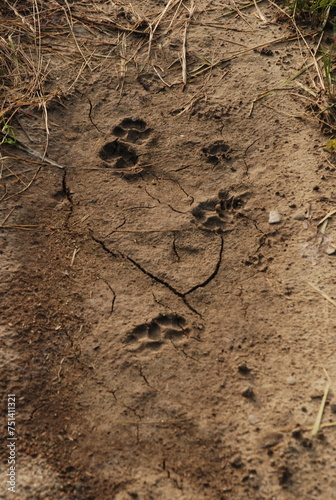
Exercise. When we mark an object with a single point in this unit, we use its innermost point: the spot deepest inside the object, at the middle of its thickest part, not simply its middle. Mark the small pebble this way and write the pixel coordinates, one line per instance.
(274, 217)
(248, 392)
(253, 420)
(270, 439)
(300, 215)
(243, 368)
(237, 463)
(330, 250)
(290, 380)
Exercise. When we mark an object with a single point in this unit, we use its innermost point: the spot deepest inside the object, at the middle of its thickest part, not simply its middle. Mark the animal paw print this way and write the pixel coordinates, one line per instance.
(154, 335)
(119, 153)
(212, 214)
(209, 214)
(132, 130)
(216, 152)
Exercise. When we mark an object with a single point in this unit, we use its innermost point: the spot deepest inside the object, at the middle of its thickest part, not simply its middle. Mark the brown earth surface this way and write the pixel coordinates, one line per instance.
(162, 338)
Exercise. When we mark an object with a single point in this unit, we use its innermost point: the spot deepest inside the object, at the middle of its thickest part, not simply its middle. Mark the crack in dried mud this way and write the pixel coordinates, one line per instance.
(114, 296)
(181, 295)
(215, 272)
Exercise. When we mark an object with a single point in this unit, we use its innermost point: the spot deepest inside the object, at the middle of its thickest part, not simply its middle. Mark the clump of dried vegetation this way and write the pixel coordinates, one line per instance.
(44, 39)
(321, 16)
(48, 46)
(41, 41)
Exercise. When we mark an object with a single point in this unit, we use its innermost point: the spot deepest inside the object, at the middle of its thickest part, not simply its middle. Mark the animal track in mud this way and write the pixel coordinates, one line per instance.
(216, 152)
(154, 335)
(132, 130)
(119, 153)
(211, 213)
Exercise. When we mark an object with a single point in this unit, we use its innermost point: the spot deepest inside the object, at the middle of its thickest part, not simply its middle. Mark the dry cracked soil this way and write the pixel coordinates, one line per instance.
(162, 338)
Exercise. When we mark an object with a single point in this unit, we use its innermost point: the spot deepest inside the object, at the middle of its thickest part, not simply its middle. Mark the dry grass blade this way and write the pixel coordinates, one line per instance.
(184, 45)
(184, 57)
(303, 38)
(329, 214)
(75, 252)
(318, 420)
(7, 217)
(70, 22)
(22, 18)
(152, 29)
(123, 63)
(247, 6)
(329, 299)
(5, 198)
(208, 66)
(24, 228)
(32, 152)
(260, 15)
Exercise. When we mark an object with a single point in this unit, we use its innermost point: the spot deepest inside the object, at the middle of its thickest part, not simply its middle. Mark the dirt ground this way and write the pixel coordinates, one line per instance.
(163, 339)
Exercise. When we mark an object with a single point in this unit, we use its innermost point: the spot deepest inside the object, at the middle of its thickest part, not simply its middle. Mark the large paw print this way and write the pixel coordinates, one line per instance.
(132, 130)
(155, 334)
(118, 153)
(216, 152)
(212, 213)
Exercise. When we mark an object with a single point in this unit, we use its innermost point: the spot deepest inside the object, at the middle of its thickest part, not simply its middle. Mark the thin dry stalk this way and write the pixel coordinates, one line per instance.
(206, 67)
(260, 15)
(162, 80)
(24, 189)
(7, 217)
(32, 152)
(152, 29)
(237, 10)
(184, 45)
(318, 420)
(329, 299)
(123, 63)
(70, 22)
(75, 252)
(174, 17)
(329, 214)
(22, 18)
(303, 38)
(231, 12)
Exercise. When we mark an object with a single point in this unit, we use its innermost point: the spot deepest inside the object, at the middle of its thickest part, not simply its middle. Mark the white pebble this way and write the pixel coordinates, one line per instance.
(274, 217)
(253, 420)
(291, 380)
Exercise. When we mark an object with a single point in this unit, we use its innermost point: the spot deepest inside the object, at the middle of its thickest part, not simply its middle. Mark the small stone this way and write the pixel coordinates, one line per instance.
(330, 250)
(243, 368)
(253, 419)
(237, 463)
(333, 408)
(300, 215)
(290, 380)
(270, 439)
(274, 217)
(248, 392)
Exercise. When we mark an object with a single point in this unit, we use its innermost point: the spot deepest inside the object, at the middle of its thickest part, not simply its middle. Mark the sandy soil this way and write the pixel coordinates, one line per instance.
(164, 340)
